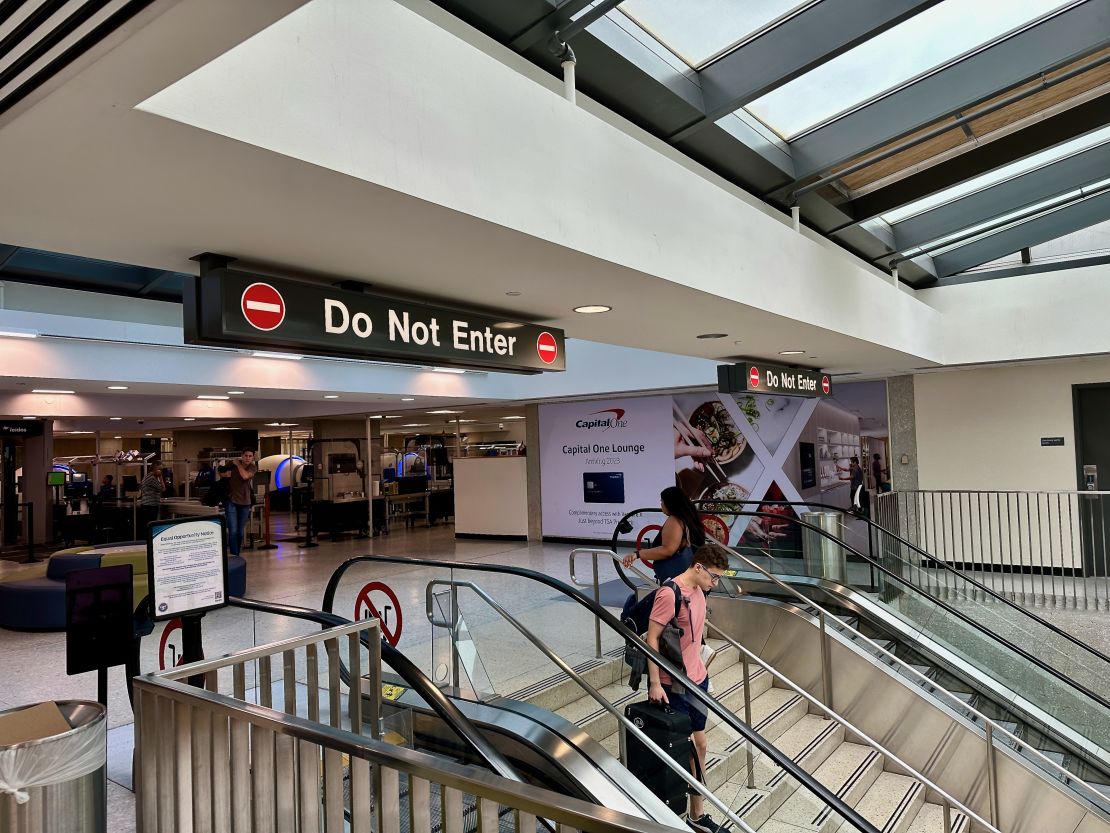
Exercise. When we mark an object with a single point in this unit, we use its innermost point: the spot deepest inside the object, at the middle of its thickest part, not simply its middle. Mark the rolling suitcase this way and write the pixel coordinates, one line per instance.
(669, 730)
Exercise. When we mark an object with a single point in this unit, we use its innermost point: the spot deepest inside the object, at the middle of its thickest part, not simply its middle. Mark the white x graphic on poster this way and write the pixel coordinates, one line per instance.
(773, 463)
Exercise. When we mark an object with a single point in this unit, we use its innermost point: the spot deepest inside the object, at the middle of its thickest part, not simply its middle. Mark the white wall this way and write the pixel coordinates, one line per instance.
(1024, 317)
(491, 496)
(981, 428)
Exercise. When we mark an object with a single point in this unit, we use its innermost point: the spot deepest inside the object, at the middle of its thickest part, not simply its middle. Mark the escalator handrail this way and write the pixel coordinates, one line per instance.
(944, 565)
(784, 762)
(447, 711)
(1048, 669)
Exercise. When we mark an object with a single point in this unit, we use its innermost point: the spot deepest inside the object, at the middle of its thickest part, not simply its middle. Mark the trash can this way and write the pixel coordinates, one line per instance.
(824, 557)
(57, 781)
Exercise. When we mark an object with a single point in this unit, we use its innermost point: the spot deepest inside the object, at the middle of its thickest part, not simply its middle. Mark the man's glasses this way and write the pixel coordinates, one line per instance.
(714, 578)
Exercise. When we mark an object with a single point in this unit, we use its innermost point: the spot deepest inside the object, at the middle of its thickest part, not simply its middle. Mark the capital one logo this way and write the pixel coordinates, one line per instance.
(606, 419)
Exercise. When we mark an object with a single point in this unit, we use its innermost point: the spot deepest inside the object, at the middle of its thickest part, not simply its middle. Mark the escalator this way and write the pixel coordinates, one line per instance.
(778, 760)
(999, 684)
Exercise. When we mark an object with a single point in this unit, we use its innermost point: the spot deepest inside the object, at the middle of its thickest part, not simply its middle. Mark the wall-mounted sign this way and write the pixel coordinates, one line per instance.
(1052, 440)
(229, 308)
(186, 566)
(756, 377)
(21, 428)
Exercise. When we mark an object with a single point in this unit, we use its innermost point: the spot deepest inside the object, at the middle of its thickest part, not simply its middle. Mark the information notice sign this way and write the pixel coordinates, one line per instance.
(186, 566)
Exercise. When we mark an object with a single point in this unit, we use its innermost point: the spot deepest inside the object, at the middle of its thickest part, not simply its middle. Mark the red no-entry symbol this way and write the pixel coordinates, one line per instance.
(547, 348)
(753, 377)
(175, 659)
(366, 609)
(825, 385)
(263, 306)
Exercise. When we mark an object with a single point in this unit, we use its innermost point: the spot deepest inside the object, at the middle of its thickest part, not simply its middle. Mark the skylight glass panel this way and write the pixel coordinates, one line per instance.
(697, 30)
(1029, 163)
(924, 42)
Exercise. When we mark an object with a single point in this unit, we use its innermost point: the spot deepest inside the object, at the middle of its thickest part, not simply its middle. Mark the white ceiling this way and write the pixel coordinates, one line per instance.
(132, 187)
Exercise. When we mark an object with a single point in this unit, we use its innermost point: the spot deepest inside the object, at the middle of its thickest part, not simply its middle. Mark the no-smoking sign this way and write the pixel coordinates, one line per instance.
(263, 306)
(378, 601)
(547, 348)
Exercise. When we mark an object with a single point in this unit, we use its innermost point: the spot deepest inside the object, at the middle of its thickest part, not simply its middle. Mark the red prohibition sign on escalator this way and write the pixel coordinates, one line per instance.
(365, 608)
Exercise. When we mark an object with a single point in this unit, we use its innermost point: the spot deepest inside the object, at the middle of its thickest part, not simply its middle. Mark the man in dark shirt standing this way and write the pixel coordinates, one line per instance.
(877, 472)
(238, 506)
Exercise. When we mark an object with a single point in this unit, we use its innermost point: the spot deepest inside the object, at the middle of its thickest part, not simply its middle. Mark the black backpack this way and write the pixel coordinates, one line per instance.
(635, 616)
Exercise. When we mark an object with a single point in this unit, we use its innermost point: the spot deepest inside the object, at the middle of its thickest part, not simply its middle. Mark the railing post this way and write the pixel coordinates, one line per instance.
(455, 619)
(374, 673)
(992, 775)
(947, 827)
(748, 720)
(826, 680)
(597, 598)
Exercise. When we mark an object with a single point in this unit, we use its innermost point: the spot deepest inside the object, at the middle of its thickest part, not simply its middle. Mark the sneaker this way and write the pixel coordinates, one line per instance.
(704, 824)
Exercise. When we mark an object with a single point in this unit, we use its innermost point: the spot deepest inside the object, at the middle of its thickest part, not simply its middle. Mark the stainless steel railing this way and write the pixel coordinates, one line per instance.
(625, 724)
(992, 729)
(213, 760)
(1037, 548)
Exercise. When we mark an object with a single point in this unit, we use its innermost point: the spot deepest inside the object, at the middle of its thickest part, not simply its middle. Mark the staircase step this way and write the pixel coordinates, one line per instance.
(930, 819)
(558, 689)
(893, 802)
(773, 713)
(849, 772)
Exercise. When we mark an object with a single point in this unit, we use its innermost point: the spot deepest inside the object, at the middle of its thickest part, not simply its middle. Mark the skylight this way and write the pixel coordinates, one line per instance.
(923, 43)
(698, 30)
(1029, 163)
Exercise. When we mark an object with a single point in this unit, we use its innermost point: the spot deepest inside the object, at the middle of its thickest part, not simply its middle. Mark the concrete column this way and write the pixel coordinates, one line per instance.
(532, 472)
(902, 414)
(38, 460)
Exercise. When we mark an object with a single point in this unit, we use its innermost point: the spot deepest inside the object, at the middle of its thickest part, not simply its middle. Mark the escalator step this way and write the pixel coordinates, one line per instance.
(1102, 788)
(1055, 757)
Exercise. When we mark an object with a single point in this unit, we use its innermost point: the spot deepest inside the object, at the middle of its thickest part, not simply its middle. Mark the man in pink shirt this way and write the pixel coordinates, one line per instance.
(709, 564)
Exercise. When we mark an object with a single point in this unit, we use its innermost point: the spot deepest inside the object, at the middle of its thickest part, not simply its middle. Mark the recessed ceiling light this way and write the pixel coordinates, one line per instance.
(83, 432)
(114, 419)
(49, 390)
(444, 411)
(264, 354)
(235, 392)
(30, 417)
(468, 420)
(212, 396)
(150, 435)
(512, 417)
(448, 370)
(189, 419)
(117, 387)
(376, 416)
(738, 341)
(592, 309)
(512, 293)
(415, 425)
(713, 335)
(281, 424)
(408, 398)
(117, 438)
(331, 396)
(223, 428)
(392, 416)
(792, 352)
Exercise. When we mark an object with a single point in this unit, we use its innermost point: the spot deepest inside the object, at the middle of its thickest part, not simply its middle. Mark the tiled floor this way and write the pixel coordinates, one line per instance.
(32, 665)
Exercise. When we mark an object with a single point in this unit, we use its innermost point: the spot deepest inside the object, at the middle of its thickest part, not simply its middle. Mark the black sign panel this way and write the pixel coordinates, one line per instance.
(20, 428)
(1052, 440)
(99, 613)
(756, 377)
(228, 308)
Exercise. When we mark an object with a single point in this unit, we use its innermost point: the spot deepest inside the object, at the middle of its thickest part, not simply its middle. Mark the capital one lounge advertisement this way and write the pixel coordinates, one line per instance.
(600, 459)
